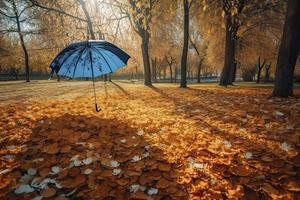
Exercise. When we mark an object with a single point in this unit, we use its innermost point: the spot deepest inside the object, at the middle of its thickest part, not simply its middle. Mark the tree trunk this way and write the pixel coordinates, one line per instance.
(146, 58)
(199, 71)
(154, 73)
(226, 75)
(171, 73)
(183, 83)
(267, 74)
(288, 51)
(233, 73)
(259, 67)
(26, 57)
(88, 18)
(175, 74)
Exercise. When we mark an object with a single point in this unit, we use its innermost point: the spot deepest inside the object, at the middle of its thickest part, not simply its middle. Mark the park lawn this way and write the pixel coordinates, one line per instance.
(204, 142)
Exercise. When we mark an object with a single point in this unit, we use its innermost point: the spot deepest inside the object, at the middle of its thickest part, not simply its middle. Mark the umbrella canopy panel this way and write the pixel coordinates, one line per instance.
(77, 60)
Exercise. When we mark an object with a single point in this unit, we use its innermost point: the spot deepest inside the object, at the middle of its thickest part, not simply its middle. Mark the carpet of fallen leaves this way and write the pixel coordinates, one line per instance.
(160, 142)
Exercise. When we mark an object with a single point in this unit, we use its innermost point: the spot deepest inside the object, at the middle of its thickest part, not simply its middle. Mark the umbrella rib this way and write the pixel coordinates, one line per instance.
(63, 62)
(113, 59)
(69, 66)
(78, 61)
(104, 59)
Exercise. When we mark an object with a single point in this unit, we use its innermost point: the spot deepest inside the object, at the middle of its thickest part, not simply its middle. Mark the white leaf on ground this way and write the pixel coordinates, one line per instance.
(267, 125)
(285, 146)
(248, 155)
(87, 161)
(38, 160)
(145, 155)
(116, 172)
(5, 171)
(123, 141)
(195, 111)
(43, 184)
(24, 189)
(152, 191)
(193, 164)
(77, 163)
(140, 133)
(9, 156)
(55, 170)
(227, 144)
(134, 188)
(72, 192)
(75, 157)
(12, 147)
(114, 163)
(81, 143)
(88, 171)
(278, 113)
(136, 159)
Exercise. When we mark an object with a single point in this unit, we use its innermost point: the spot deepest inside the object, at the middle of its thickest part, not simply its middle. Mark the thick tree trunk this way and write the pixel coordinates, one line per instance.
(233, 72)
(183, 83)
(288, 51)
(226, 75)
(146, 58)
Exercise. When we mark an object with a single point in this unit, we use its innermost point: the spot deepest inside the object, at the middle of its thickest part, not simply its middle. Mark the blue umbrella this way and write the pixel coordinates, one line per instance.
(89, 59)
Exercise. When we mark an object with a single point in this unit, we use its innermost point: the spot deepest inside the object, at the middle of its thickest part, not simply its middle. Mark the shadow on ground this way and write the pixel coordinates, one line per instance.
(111, 161)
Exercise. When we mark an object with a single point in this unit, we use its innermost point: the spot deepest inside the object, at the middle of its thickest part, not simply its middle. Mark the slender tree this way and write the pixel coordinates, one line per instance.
(267, 72)
(260, 67)
(288, 51)
(16, 12)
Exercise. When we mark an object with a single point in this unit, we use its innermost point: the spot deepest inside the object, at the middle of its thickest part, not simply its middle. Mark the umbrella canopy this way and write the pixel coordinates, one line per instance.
(89, 59)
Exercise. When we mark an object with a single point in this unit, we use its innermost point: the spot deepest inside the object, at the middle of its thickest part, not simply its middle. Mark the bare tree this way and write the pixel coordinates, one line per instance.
(171, 61)
(17, 13)
(260, 66)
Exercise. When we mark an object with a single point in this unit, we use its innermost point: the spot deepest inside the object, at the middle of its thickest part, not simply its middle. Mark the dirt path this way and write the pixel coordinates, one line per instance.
(159, 142)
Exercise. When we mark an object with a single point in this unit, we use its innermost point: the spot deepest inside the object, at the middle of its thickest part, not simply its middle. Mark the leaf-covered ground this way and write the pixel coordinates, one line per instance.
(160, 142)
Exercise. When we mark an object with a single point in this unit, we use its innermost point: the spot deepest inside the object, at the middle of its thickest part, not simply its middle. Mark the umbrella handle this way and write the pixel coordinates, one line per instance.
(97, 109)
